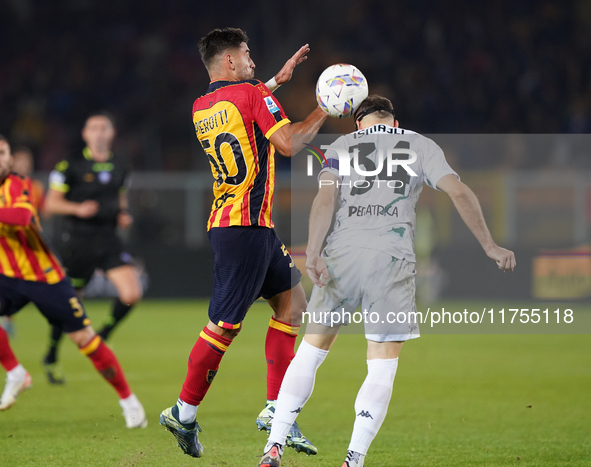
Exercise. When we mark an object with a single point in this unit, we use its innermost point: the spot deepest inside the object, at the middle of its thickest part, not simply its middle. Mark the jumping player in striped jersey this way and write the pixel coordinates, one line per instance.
(30, 272)
(240, 125)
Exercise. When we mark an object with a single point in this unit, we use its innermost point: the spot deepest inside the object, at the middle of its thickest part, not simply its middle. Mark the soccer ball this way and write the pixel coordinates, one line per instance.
(340, 90)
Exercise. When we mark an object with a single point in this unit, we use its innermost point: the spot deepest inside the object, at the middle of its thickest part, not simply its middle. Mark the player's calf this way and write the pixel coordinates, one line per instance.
(107, 365)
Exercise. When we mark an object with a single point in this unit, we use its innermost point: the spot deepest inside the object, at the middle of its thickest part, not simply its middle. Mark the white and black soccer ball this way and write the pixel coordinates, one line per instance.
(340, 90)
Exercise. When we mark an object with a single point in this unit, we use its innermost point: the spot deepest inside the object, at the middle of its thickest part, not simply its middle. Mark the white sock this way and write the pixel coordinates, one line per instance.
(18, 372)
(129, 402)
(296, 389)
(372, 402)
(187, 412)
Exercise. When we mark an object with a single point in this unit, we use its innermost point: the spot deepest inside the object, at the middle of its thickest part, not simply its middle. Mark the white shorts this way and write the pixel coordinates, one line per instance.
(384, 285)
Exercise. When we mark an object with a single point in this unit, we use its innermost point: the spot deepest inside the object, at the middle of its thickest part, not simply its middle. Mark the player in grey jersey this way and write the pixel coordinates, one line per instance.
(369, 259)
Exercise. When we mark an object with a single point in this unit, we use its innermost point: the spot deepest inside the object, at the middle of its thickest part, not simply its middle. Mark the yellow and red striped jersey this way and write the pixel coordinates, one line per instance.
(23, 252)
(234, 122)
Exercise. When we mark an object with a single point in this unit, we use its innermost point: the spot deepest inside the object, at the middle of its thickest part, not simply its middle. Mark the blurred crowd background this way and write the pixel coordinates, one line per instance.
(448, 66)
(454, 69)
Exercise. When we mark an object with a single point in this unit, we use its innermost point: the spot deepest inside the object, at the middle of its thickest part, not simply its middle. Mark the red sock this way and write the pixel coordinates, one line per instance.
(279, 350)
(104, 360)
(204, 362)
(7, 358)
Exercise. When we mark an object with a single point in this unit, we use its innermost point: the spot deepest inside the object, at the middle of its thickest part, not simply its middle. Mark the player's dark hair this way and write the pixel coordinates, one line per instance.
(102, 113)
(375, 105)
(219, 40)
(3, 138)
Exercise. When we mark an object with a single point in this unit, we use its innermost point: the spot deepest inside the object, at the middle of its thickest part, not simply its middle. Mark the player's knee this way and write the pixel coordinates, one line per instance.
(296, 312)
(83, 336)
(226, 333)
(232, 333)
(131, 296)
(291, 312)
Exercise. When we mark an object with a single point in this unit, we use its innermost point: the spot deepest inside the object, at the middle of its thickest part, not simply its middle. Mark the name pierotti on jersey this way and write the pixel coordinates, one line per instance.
(212, 122)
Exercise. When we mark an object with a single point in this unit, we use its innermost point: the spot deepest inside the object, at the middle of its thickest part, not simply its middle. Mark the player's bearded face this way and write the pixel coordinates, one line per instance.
(244, 64)
(5, 160)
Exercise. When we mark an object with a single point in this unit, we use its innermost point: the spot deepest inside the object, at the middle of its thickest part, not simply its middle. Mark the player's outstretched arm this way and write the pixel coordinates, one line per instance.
(286, 72)
(56, 203)
(320, 219)
(468, 206)
(291, 138)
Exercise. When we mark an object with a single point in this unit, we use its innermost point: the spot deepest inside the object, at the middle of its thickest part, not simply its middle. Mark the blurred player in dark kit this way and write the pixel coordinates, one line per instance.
(90, 191)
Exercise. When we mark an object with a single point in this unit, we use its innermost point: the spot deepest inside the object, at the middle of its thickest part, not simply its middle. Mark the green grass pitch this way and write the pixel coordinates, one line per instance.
(473, 400)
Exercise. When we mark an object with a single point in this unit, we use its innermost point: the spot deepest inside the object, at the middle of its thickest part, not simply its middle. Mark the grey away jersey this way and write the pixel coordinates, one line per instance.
(379, 211)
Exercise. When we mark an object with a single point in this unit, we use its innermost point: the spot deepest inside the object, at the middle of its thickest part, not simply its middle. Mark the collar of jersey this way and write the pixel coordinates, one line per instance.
(397, 129)
(390, 126)
(221, 83)
(88, 154)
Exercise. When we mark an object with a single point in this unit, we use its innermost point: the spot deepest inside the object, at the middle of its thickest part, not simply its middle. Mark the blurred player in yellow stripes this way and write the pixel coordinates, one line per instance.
(23, 165)
(30, 272)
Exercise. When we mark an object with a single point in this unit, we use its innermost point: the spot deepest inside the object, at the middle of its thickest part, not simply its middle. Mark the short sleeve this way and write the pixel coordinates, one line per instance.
(435, 166)
(267, 111)
(59, 178)
(330, 162)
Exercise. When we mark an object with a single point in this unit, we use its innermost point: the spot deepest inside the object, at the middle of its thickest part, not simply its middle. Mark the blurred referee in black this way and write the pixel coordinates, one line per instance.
(90, 190)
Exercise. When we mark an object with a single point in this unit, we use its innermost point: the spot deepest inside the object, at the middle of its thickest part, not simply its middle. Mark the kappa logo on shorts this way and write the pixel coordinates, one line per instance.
(211, 375)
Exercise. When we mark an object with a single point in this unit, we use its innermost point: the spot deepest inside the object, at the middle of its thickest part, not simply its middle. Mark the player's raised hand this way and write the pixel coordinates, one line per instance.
(87, 209)
(504, 258)
(285, 73)
(317, 270)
